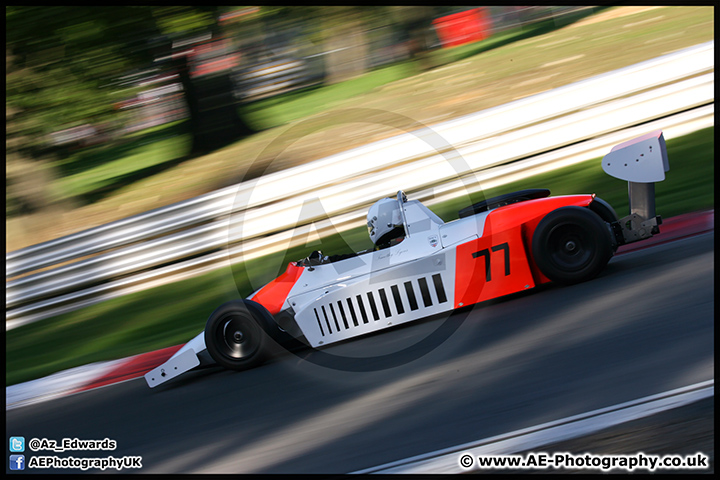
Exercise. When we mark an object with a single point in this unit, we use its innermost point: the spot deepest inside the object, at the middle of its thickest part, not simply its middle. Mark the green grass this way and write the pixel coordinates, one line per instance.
(106, 166)
(173, 314)
(283, 109)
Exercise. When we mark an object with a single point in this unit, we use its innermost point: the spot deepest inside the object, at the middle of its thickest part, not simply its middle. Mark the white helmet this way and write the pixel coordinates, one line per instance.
(384, 221)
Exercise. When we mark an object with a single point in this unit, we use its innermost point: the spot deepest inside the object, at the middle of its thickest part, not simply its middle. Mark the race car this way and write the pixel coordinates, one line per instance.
(421, 266)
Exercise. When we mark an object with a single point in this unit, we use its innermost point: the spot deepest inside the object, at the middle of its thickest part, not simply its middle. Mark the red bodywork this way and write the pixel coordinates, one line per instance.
(500, 262)
(496, 264)
(272, 296)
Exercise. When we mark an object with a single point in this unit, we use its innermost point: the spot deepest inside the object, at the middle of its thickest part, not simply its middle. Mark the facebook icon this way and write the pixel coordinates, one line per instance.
(17, 462)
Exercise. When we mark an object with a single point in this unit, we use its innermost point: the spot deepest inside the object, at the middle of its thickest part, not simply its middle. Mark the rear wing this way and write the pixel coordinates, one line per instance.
(641, 162)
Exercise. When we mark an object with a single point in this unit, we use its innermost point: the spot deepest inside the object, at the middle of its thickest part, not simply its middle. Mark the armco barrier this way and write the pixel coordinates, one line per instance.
(677, 125)
(468, 129)
(273, 204)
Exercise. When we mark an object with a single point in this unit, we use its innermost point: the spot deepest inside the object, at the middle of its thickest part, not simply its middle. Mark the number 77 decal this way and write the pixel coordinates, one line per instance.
(486, 254)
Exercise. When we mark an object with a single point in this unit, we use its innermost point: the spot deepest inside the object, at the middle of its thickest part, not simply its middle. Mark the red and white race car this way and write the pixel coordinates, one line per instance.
(422, 266)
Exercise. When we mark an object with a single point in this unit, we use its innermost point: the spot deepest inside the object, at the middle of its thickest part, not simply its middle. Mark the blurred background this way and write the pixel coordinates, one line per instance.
(101, 99)
(116, 112)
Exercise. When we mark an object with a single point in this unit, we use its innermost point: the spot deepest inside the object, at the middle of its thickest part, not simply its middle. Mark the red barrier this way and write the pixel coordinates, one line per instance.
(463, 27)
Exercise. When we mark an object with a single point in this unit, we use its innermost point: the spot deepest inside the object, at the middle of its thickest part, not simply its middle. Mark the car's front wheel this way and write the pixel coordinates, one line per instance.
(236, 335)
(571, 245)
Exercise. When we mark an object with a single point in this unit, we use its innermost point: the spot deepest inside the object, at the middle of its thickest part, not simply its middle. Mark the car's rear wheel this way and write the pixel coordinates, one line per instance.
(607, 213)
(571, 245)
(236, 335)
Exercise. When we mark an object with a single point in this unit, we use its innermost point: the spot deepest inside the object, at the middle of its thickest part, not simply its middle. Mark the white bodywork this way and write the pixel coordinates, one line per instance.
(414, 279)
(336, 301)
(376, 290)
(184, 359)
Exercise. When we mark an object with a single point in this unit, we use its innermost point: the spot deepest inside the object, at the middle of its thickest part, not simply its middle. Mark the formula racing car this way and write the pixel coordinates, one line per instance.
(421, 266)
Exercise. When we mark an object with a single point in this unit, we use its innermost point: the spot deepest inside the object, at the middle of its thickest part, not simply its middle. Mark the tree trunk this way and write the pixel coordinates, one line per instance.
(214, 118)
(347, 53)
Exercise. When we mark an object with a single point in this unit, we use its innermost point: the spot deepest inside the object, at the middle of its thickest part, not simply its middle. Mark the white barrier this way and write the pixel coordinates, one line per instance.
(279, 202)
(359, 161)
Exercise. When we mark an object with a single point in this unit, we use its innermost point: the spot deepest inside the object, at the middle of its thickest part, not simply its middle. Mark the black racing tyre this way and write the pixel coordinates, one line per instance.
(607, 213)
(571, 245)
(236, 335)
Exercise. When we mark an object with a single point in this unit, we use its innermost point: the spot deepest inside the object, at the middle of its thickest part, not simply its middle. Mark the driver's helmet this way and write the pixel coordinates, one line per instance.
(384, 222)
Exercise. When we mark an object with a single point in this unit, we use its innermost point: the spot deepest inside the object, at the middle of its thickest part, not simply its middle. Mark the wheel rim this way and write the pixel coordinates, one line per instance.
(570, 247)
(237, 337)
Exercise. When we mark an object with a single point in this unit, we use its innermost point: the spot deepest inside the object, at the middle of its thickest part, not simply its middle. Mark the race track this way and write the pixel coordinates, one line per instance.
(644, 326)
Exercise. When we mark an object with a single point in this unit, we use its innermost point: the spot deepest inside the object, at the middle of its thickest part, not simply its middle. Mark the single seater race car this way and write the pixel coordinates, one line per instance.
(422, 266)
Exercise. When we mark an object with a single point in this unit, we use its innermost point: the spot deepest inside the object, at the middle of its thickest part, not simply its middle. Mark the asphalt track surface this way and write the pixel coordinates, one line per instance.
(644, 326)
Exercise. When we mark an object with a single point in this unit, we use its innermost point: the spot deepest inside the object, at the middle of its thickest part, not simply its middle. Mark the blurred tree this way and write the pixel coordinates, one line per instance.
(70, 55)
(26, 181)
(341, 33)
(56, 62)
(345, 42)
(214, 117)
(415, 24)
(63, 61)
